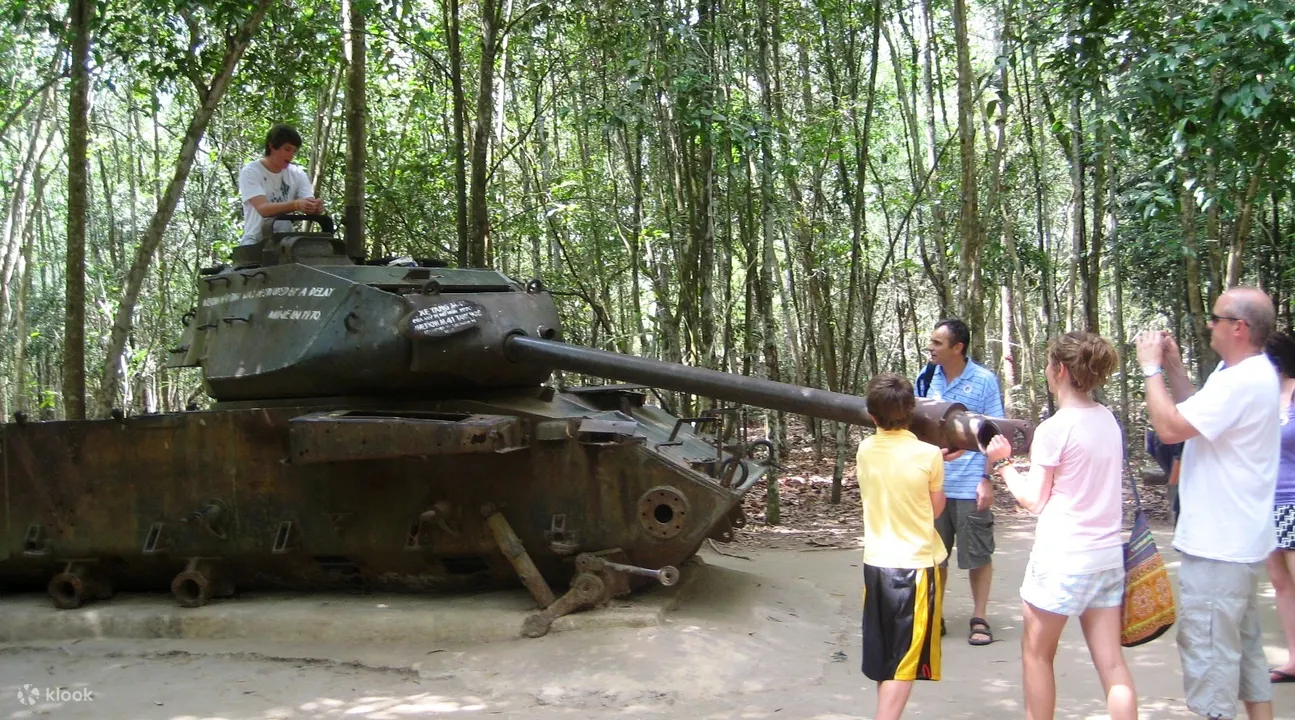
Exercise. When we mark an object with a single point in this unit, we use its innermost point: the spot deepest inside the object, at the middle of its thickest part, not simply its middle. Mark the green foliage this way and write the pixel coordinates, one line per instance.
(627, 157)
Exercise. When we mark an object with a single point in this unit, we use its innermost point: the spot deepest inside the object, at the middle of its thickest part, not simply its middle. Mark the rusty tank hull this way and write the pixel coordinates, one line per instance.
(355, 493)
(387, 426)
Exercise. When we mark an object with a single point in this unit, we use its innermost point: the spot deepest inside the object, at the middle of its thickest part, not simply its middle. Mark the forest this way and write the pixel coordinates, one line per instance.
(793, 189)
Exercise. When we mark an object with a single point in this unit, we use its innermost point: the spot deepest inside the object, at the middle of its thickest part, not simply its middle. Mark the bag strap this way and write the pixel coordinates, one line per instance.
(1133, 480)
(924, 380)
(1133, 485)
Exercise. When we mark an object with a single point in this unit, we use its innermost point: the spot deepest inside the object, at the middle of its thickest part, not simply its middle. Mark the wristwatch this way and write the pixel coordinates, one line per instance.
(1150, 369)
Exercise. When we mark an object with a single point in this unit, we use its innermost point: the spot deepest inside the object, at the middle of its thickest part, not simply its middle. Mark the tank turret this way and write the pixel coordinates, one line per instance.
(274, 325)
(277, 325)
(387, 424)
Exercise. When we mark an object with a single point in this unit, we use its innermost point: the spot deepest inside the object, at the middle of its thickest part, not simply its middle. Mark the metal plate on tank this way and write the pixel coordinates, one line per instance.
(355, 435)
(442, 320)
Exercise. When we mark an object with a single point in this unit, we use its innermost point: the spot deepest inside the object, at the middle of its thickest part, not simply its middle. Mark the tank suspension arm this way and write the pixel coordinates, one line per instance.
(948, 425)
(668, 575)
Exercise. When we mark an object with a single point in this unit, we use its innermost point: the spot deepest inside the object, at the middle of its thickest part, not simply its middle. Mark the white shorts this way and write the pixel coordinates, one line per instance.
(1057, 592)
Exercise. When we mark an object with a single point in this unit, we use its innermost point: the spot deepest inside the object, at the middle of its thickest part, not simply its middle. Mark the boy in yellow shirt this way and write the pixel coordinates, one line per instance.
(901, 481)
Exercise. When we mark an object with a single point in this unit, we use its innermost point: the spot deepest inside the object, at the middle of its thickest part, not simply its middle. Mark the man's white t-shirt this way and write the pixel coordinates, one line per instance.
(1229, 471)
(256, 179)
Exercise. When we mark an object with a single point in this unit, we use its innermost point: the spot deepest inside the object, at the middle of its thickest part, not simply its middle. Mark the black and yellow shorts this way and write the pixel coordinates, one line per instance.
(901, 623)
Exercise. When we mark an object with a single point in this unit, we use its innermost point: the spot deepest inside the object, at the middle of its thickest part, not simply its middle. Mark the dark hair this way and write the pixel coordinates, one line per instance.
(281, 135)
(1089, 358)
(890, 401)
(959, 330)
(1280, 349)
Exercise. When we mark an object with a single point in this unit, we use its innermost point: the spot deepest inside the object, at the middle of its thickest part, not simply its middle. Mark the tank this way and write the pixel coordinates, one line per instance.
(391, 425)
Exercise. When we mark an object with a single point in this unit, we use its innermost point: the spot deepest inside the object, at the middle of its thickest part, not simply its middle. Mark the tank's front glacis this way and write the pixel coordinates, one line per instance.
(300, 331)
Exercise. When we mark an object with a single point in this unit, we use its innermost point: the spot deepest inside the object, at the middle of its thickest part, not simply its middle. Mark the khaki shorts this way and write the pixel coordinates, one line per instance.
(1220, 642)
(974, 530)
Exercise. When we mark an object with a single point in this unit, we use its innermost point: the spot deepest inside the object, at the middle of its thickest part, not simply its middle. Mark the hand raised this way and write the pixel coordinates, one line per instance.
(998, 449)
(1169, 347)
(1151, 347)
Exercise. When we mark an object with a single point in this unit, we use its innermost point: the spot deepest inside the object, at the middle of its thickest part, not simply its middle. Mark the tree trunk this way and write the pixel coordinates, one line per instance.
(357, 114)
(1094, 260)
(1238, 246)
(1213, 235)
(455, 51)
(1029, 113)
(633, 149)
(210, 99)
(768, 263)
(35, 227)
(1013, 316)
(82, 13)
(1279, 254)
(970, 304)
(1117, 287)
(702, 212)
(937, 272)
(1203, 355)
(16, 212)
(480, 253)
(805, 332)
(1079, 280)
(319, 149)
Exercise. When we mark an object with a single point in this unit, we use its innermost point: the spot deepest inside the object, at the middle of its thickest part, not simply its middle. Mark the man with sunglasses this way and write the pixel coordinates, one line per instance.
(1232, 430)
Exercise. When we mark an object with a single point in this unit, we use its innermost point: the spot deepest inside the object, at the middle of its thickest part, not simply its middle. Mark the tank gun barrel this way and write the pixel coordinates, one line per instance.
(946, 424)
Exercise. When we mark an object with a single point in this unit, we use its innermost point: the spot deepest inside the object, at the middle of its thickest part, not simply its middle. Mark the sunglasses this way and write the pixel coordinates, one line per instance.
(1215, 318)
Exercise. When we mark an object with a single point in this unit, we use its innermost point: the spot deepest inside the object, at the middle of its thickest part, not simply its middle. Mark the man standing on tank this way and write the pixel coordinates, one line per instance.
(273, 186)
(968, 516)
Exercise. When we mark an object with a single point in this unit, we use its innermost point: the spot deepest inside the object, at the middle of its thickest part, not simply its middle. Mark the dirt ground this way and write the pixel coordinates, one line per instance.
(769, 628)
(771, 634)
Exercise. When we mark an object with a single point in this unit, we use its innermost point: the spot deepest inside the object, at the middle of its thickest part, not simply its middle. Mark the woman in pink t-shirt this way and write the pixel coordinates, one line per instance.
(1076, 566)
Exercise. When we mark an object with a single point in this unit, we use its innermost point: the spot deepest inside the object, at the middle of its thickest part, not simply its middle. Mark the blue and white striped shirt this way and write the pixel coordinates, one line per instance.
(976, 388)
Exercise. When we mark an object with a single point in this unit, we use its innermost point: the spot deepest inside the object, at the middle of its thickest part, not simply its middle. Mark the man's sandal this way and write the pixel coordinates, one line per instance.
(980, 633)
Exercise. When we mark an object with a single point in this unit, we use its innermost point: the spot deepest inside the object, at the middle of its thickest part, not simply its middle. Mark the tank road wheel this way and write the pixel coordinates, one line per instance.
(78, 584)
(67, 591)
(201, 581)
(191, 589)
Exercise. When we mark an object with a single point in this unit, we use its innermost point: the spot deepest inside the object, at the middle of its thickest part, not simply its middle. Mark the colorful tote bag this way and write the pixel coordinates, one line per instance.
(1148, 598)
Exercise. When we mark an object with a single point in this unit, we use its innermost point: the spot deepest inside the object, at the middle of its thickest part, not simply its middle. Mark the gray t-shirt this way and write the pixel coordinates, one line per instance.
(256, 179)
